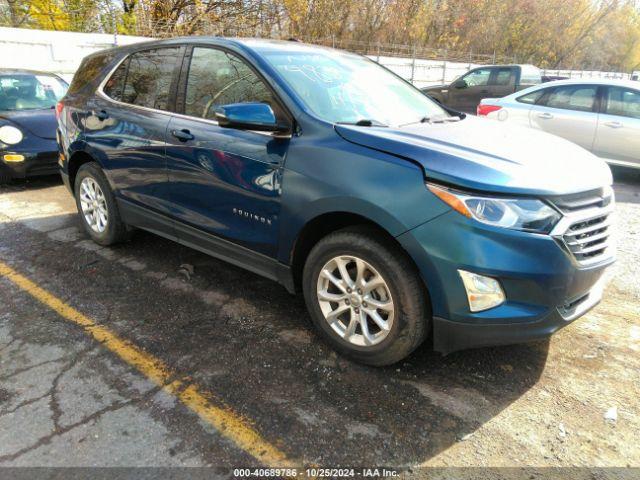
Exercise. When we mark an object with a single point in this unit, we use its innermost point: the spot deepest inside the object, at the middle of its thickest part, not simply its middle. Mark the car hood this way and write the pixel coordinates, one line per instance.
(434, 87)
(481, 154)
(41, 123)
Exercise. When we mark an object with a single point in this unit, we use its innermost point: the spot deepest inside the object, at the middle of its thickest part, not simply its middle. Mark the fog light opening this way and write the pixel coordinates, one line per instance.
(483, 292)
(13, 158)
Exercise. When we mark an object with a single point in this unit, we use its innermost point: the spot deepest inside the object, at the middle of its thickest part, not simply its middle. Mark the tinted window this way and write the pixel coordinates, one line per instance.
(30, 91)
(531, 98)
(623, 102)
(220, 78)
(88, 71)
(478, 78)
(149, 77)
(573, 97)
(113, 87)
(503, 77)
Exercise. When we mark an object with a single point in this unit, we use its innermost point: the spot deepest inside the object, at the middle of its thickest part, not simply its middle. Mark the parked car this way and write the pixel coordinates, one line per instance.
(396, 218)
(464, 93)
(602, 116)
(28, 123)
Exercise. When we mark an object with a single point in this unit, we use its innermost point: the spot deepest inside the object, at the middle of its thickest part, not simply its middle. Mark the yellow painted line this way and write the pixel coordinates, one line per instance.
(228, 423)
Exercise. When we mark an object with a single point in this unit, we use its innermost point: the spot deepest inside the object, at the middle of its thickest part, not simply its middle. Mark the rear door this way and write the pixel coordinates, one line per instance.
(618, 133)
(502, 82)
(568, 111)
(127, 123)
(224, 182)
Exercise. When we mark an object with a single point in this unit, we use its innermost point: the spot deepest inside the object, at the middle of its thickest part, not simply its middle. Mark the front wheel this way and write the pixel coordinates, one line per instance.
(97, 206)
(365, 296)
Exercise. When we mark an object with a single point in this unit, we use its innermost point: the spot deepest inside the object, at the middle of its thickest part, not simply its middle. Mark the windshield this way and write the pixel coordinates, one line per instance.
(343, 88)
(27, 91)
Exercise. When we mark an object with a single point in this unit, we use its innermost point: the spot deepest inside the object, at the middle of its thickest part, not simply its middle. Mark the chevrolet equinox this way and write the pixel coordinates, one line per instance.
(397, 218)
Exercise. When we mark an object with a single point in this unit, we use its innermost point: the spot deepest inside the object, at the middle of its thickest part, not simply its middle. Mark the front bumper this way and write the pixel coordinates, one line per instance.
(42, 160)
(544, 286)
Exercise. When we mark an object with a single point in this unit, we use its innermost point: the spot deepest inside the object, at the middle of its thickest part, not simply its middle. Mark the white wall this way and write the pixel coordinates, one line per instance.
(61, 53)
(50, 51)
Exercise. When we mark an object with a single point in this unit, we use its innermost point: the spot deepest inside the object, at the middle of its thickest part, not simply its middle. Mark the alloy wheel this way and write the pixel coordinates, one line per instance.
(355, 300)
(94, 205)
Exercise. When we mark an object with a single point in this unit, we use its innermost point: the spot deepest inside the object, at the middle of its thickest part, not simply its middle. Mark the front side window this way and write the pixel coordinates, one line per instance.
(532, 98)
(623, 102)
(477, 78)
(30, 91)
(218, 78)
(340, 87)
(573, 97)
(144, 79)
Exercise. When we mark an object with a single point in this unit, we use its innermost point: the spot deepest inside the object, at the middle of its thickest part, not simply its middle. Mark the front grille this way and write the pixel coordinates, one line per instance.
(580, 201)
(585, 229)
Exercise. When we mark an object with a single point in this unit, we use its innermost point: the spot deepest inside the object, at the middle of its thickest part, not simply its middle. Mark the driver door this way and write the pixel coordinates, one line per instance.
(466, 92)
(224, 182)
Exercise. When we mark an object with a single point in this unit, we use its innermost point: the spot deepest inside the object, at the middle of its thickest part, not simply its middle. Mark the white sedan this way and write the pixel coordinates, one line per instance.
(602, 116)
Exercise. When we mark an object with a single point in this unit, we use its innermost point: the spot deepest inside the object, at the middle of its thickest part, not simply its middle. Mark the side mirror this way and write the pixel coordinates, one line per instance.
(248, 116)
(459, 84)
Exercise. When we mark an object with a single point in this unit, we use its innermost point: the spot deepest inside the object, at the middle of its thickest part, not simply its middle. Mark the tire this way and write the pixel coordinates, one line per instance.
(4, 178)
(410, 313)
(114, 230)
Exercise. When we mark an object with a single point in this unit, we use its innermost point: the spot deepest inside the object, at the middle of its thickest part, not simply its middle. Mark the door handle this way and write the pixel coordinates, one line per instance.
(545, 115)
(183, 135)
(101, 115)
(614, 124)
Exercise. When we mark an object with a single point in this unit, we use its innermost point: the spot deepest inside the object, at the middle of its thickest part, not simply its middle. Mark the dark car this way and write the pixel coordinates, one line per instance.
(28, 123)
(495, 81)
(326, 172)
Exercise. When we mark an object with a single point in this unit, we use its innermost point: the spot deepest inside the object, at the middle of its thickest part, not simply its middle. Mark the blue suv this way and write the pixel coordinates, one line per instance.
(397, 218)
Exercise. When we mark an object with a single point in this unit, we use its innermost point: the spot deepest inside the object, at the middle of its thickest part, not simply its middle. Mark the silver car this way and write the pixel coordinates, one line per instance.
(603, 116)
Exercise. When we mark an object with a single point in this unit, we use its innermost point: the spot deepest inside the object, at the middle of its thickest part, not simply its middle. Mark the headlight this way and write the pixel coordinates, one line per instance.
(10, 135)
(527, 214)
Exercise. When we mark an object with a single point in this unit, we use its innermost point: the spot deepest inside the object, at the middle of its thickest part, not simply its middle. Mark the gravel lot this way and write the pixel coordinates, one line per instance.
(66, 400)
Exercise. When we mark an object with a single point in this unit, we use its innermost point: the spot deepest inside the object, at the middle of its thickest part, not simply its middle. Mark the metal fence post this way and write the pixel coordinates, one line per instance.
(413, 63)
(444, 68)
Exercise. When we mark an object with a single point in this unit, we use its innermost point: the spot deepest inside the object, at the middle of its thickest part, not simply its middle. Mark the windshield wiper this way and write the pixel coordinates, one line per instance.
(364, 122)
(436, 119)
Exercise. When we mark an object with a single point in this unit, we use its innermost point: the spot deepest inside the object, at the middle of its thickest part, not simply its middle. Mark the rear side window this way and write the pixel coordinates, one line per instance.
(88, 71)
(115, 85)
(145, 78)
(503, 77)
(220, 78)
(573, 97)
(623, 102)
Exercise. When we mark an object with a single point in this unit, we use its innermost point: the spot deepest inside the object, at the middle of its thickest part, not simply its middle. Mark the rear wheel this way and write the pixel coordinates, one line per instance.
(365, 296)
(97, 206)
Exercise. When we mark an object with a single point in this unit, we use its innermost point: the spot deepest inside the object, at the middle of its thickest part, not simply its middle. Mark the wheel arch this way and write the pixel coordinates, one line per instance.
(76, 160)
(326, 223)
